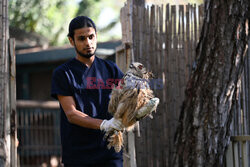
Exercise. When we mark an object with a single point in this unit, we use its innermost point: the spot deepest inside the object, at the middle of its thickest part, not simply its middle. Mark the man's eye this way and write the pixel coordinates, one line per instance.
(91, 36)
(81, 38)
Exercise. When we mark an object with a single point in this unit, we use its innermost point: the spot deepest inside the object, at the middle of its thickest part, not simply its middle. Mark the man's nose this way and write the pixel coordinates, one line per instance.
(87, 41)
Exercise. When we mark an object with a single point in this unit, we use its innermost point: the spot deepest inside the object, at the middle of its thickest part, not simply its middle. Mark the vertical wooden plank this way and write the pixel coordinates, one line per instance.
(151, 59)
(154, 128)
(161, 109)
(141, 31)
(157, 120)
(148, 57)
(246, 93)
(229, 156)
(243, 107)
(131, 142)
(186, 68)
(13, 119)
(201, 15)
(138, 140)
(174, 67)
(46, 139)
(49, 132)
(244, 154)
(192, 51)
(183, 61)
(236, 155)
(125, 150)
(22, 135)
(170, 81)
(122, 23)
(247, 74)
(154, 69)
(122, 20)
(167, 87)
(193, 30)
(236, 132)
(37, 137)
(31, 142)
(135, 32)
(5, 127)
(142, 57)
(195, 24)
(238, 110)
(178, 72)
(148, 54)
(143, 36)
(42, 134)
(188, 42)
(27, 138)
(130, 28)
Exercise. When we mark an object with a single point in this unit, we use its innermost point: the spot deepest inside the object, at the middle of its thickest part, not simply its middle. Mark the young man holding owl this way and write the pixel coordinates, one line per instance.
(84, 112)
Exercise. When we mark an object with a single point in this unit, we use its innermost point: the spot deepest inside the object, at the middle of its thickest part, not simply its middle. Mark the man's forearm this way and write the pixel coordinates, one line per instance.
(81, 119)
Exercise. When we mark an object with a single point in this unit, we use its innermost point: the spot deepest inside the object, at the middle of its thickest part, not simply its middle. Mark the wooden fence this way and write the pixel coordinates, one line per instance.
(164, 39)
(238, 154)
(38, 133)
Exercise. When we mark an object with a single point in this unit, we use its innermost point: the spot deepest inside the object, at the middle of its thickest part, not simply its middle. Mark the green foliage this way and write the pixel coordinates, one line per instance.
(45, 17)
(90, 8)
(50, 18)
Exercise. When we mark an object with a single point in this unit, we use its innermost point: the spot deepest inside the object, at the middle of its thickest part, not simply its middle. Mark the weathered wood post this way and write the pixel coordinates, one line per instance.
(7, 92)
(124, 56)
(12, 102)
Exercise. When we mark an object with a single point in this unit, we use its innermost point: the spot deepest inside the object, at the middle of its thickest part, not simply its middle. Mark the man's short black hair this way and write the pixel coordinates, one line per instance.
(80, 22)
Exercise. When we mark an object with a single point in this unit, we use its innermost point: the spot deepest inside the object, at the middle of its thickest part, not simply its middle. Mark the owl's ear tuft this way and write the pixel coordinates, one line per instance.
(151, 75)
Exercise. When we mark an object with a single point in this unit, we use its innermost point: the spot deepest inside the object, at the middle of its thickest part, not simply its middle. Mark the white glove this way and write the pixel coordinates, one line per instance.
(112, 124)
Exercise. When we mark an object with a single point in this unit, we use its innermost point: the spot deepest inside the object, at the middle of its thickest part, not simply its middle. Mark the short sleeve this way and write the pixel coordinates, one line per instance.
(119, 74)
(60, 84)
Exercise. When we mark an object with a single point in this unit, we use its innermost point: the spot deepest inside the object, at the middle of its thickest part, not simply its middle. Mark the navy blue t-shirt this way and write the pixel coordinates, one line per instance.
(90, 88)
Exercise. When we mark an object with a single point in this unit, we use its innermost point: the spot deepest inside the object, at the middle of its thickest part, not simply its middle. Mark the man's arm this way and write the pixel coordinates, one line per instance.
(75, 116)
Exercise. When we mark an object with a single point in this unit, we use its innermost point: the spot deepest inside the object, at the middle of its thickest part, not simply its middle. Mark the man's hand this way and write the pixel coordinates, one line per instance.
(112, 124)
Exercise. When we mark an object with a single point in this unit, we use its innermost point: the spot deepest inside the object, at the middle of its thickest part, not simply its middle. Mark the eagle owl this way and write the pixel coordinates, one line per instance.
(131, 101)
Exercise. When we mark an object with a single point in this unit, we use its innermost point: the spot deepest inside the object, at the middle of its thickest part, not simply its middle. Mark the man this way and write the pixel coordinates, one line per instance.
(84, 115)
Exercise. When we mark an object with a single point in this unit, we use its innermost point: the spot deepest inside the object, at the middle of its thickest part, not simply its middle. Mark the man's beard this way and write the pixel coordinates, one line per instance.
(88, 55)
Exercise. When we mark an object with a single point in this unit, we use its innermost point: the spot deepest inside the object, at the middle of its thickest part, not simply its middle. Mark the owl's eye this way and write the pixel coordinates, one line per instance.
(140, 67)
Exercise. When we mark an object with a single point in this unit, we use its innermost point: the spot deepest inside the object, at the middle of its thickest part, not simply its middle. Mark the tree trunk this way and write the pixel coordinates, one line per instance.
(203, 132)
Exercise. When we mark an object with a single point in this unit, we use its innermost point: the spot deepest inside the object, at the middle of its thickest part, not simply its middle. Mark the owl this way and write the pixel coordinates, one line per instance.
(131, 101)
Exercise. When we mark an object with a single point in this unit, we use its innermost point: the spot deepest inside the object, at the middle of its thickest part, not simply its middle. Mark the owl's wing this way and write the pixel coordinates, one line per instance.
(127, 106)
(114, 100)
(127, 88)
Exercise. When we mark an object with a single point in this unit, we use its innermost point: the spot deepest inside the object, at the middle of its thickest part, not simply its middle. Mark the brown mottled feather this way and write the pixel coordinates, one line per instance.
(126, 101)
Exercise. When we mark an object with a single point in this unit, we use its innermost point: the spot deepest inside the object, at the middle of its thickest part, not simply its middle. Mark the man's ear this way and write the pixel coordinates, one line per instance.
(71, 41)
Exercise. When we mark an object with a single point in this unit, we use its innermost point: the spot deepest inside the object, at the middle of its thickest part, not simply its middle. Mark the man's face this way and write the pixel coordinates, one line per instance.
(85, 41)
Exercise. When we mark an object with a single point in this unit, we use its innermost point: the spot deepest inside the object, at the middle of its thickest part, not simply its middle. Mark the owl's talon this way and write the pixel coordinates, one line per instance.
(150, 116)
(148, 108)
